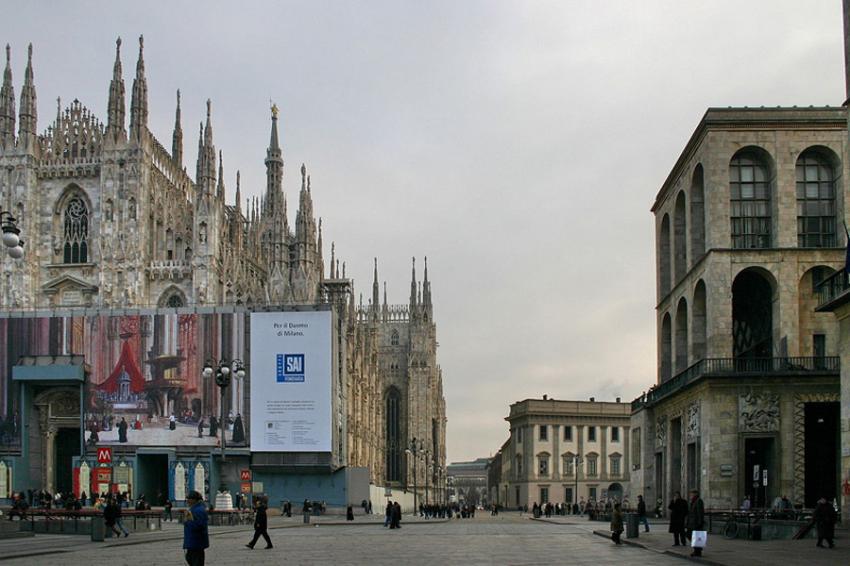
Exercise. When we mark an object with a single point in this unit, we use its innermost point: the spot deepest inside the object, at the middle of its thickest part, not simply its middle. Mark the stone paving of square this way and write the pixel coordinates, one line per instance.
(507, 539)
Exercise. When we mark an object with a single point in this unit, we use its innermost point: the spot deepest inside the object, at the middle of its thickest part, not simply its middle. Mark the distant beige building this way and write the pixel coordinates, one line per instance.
(564, 452)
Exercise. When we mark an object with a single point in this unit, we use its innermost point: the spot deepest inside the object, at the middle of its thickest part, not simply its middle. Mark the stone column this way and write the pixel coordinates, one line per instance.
(603, 456)
(556, 452)
(49, 456)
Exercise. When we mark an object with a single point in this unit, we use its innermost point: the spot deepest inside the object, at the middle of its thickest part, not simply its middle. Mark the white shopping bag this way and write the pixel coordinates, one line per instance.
(699, 539)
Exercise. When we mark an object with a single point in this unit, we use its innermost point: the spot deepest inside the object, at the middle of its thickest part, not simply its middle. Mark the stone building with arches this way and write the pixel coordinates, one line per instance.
(115, 224)
(748, 223)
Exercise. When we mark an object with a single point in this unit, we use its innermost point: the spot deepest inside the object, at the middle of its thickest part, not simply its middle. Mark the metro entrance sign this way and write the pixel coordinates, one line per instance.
(104, 455)
(245, 475)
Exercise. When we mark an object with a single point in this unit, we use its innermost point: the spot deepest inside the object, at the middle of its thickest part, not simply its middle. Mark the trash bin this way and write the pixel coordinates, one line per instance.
(98, 529)
(632, 525)
(306, 517)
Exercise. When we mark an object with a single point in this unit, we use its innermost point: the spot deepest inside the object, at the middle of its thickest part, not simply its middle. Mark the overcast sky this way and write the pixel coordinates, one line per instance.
(519, 145)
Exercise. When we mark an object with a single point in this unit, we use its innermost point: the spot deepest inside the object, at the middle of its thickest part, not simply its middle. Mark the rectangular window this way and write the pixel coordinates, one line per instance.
(615, 467)
(544, 432)
(519, 435)
(591, 466)
(544, 495)
(819, 346)
(568, 433)
(568, 495)
(636, 448)
(592, 493)
(516, 492)
(591, 434)
(615, 434)
(568, 466)
(543, 466)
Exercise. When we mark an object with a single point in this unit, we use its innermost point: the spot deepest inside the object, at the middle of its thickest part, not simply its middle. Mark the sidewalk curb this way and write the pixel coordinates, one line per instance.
(630, 542)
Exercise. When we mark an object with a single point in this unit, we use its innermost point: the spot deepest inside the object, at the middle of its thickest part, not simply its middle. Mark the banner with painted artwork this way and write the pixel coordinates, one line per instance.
(145, 383)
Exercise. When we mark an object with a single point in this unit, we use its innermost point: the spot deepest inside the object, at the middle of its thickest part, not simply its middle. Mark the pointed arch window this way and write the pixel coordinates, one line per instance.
(394, 338)
(76, 232)
(393, 432)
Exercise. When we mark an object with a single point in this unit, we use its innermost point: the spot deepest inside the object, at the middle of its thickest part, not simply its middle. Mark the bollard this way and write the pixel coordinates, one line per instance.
(632, 525)
(306, 518)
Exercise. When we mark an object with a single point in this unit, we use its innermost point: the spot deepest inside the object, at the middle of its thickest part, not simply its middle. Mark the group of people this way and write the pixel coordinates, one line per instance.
(392, 518)
(686, 517)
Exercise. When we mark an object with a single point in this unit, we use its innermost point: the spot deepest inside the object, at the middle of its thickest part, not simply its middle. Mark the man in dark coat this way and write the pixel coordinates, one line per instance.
(122, 430)
(825, 518)
(616, 524)
(696, 518)
(238, 430)
(678, 512)
(196, 536)
(395, 522)
(213, 426)
(261, 523)
(641, 511)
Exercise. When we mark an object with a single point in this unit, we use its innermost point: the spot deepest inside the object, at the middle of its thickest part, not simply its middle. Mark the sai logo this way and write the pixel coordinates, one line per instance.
(290, 368)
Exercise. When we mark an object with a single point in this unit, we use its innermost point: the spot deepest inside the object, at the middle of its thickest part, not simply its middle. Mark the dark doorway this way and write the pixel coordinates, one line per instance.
(675, 459)
(752, 316)
(693, 467)
(67, 446)
(153, 477)
(758, 465)
(660, 486)
(821, 451)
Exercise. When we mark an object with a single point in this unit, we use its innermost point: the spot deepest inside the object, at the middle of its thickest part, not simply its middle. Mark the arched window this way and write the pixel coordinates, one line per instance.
(699, 329)
(666, 349)
(680, 250)
(815, 201)
(664, 255)
(682, 335)
(76, 231)
(752, 315)
(393, 430)
(174, 301)
(394, 338)
(750, 209)
(697, 215)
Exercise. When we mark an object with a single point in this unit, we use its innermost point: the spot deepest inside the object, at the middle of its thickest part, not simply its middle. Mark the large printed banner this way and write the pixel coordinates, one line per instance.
(145, 386)
(291, 382)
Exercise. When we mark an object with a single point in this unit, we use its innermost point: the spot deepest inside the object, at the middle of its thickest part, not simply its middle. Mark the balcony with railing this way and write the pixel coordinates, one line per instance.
(739, 367)
(833, 292)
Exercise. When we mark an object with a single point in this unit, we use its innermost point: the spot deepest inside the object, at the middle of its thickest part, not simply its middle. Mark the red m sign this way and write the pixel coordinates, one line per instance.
(104, 455)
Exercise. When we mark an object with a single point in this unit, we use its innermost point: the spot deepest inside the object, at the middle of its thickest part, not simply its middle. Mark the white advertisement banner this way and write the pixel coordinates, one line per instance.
(291, 381)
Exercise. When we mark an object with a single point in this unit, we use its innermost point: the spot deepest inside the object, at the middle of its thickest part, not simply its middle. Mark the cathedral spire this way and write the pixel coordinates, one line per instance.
(206, 155)
(238, 192)
(274, 171)
(7, 105)
(333, 260)
(385, 295)
(28, 121)
(413, 286)
(375, 289)
(220, 186)
(115, 111)
(177, 137)
(426, 287)
(139, 101)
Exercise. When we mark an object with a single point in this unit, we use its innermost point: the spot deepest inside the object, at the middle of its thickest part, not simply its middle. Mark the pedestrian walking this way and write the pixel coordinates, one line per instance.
(349, 513)
(395, 522)
(112, 517)
(641, 511)
(616, 524)
(388, 518)
(825, 518)
(261, 523)
(696, 518)
(196, 537)
(168, 505)
(678, 513)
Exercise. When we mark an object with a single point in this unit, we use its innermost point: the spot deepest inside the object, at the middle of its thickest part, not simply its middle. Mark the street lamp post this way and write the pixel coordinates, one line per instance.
(427, 468)
(223, 374)
(577, 463)
(414, 450)
(11, 235)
